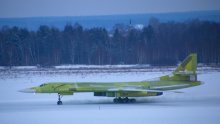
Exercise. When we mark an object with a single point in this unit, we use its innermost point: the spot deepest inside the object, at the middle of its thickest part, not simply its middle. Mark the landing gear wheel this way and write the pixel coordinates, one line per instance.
(59, 102)
(126, 100)
(115, 100)
(120, 100)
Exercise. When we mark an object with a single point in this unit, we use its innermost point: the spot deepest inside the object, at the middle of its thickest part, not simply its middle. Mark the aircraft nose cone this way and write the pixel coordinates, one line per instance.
(28, 90)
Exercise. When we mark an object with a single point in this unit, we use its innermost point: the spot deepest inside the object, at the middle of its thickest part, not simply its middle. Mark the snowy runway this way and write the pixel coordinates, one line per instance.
(196, 105)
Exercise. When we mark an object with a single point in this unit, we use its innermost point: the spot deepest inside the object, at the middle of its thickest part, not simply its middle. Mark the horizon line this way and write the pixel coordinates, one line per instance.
(101, 15)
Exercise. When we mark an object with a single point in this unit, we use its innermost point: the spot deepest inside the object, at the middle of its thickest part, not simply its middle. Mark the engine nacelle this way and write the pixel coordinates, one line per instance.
(128, 94)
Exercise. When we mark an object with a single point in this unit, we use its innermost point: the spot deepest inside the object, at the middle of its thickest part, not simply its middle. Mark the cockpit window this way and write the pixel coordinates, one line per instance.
(42, 85)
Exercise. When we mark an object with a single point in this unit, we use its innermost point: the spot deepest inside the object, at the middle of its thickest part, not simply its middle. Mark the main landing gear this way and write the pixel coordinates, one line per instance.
(123, 100)
(59, 102)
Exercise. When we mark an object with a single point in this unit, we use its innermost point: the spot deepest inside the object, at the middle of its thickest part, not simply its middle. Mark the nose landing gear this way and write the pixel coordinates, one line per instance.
(123, 100)
(59, 102)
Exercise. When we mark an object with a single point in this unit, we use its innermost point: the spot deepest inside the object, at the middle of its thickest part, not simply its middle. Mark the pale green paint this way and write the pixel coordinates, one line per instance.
(184, 76)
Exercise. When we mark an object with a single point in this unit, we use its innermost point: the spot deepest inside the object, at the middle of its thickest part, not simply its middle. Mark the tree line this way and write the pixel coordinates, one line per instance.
(157, 44)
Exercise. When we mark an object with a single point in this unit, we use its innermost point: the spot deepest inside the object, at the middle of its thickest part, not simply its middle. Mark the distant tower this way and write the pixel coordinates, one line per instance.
(130, 22)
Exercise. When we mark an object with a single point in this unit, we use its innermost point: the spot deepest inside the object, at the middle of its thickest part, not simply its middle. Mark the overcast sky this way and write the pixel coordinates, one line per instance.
(29, 8)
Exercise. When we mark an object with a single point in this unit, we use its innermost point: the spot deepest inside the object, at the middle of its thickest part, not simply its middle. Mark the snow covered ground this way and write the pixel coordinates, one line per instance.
(196, 105)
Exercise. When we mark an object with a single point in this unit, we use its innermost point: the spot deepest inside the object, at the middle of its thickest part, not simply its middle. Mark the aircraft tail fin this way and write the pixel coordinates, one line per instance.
(186, 71)
(188, 65)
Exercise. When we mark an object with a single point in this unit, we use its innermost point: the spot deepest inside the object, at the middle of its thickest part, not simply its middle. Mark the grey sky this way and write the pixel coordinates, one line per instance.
(29, 8)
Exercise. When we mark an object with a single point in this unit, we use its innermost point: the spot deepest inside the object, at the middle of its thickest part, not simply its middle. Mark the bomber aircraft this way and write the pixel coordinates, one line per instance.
(183, 76)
